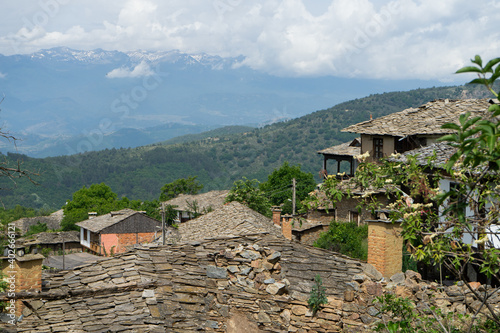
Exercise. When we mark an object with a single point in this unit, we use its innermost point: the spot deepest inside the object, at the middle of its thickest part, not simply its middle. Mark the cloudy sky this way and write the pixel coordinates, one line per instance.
(400, 39)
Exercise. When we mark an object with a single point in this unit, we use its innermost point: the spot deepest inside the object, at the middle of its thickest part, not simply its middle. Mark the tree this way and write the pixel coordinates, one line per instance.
(247, 192)
(434, 236)
(96, 198)
(180, 186)
(278, 186)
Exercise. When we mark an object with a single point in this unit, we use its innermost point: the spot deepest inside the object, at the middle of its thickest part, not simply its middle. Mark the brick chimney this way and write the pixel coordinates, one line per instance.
(286, 226)
(23, 274)
(385, 247)
(276, 215)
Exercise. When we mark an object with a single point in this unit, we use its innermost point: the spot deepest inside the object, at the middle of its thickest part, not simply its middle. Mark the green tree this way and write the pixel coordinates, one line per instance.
(95, 198)
(278, 186)
(180, 186)
(247, 192)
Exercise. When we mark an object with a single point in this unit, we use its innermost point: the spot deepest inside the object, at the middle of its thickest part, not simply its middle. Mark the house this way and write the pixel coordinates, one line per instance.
(114, 232)
(189, 206)
(414, 127)
(52, 242)
(414, 130)
(53, 221)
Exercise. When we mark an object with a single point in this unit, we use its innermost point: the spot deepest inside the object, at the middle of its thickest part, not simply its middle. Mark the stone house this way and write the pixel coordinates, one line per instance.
(114, 232)
(190, 205)
(53, 221)
(411, 131)
(69, 241)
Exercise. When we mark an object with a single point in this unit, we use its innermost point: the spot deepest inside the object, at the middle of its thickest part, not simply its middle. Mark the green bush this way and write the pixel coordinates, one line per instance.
(347, 238)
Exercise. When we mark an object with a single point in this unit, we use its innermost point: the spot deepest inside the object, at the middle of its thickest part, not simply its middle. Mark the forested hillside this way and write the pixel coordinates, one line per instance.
(218, 160)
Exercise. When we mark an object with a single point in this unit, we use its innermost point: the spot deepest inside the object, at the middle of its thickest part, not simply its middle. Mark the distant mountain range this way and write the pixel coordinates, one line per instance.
(63, 101)
(217, 157)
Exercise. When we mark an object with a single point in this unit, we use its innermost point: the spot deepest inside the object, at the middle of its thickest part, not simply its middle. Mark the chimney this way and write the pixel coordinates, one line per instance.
(385, 247)
(24, 274)
(276, 215)
(286, 226)
(92, 215)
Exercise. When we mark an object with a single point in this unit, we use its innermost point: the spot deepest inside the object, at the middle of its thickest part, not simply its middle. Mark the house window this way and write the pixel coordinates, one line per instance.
(378, 147)
(85, 238)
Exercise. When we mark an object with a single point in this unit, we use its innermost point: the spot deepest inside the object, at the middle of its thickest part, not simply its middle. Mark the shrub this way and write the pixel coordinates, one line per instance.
(317, 297)
(347, 238)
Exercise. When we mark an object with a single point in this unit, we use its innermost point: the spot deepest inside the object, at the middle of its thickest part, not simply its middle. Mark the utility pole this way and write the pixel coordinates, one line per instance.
(64, 250)
(293, 196)
(163, 222)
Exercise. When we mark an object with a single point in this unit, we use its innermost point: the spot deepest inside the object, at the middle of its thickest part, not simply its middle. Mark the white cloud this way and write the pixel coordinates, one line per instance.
(142, 69)
(404, 39)
(3, 75)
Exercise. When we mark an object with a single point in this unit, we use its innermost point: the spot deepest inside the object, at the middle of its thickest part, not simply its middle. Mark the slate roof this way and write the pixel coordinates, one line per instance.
(187, 288)
(424, 120)
(212, 199)
(442, 150)
(232, 219)
(52, 238)
(351, 148)
(101, 222)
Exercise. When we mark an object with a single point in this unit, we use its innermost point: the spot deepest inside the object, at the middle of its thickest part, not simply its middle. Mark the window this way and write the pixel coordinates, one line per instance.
(378, 147)
(84, 234)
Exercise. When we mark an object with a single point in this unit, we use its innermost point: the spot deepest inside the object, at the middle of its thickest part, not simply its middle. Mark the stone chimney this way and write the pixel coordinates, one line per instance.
(385, 247)
(276, 215)
(92, 215)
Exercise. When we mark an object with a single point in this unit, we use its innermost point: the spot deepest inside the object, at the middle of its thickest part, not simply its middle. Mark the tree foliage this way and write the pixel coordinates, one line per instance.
(247, 192)
(278, 186)
(97, 198)
(188, 185)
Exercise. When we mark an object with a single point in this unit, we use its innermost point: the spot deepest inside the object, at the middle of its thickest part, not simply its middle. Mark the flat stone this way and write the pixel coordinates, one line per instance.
(299, 310)
(276, 288)
(398, 278)
(249, 254)
(233, 269)
(263, 317)
(275, 257)
(359, 278)
(214, 272)
(269, 281)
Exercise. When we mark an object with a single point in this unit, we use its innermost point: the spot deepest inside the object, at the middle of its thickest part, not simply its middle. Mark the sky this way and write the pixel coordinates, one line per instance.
(389, 40)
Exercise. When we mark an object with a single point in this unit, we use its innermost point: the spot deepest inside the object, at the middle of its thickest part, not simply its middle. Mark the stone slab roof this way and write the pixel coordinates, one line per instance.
(188, 288)
(204, 201)
(424, 120)
(53, 221)
(101, 222)
(352, 148)
(52, 238)
(230, 220)
(442, 150)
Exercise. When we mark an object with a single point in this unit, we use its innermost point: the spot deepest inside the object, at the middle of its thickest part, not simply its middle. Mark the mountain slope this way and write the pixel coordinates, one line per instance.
(139, 173)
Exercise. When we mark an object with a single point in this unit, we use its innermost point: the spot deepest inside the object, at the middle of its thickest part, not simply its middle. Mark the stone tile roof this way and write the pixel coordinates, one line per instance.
(52, 238)
(188, 288)
(53, 221)
(352, 148)
(204, 201)
(101, 222)
(426, 119)
(442, 150)
(230, 220)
